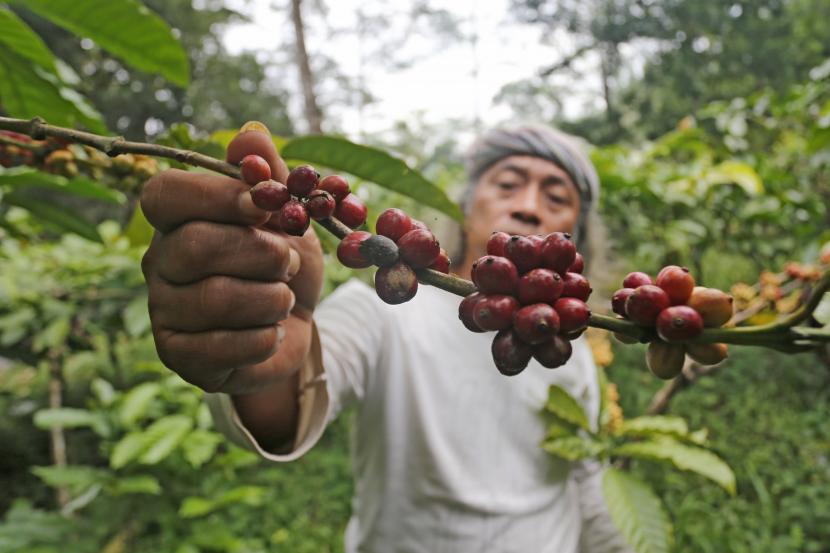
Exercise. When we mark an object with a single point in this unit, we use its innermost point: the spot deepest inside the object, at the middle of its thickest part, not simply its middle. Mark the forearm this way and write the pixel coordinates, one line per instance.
(271, 415)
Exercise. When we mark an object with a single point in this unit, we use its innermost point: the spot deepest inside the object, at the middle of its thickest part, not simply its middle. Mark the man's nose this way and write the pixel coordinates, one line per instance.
(526, 205)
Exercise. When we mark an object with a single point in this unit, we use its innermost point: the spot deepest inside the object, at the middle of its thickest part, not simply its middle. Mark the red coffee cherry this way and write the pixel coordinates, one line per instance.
(540, 286)
(573, 314)
(536, 323)
(665, 360)
(524, 252)
(351, 211)
(678, 323)
(293, 218)
(302, 180)
(636, 279)
(419, 248)
(618, 301)
(553, 353)
(715, 306)
(396, 283)
(495, 312)
(465, 311)
(558, 252)
(254, 169)
(442, 263)
(416, 224)
(496, 244)
(678, 283)
(510, 354)
(645, 303)
(349, 252)
(393, 223)
(270, 195)
(576, 286)
(578, 265)
(335, 185)
(320, 204)
(495, 275)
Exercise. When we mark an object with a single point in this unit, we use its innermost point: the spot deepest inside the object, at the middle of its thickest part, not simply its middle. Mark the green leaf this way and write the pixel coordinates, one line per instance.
(135, 402)
(68, 417)
(143, 483)
(75, 477)
(735, 172)
(573, 448)
(564, 406)
(53, 335)
(25, 93)
(19, 37)
(373, 165)
(193, 507)
(163, 436)
(126, 29)
(684, 457)
(199, 447)
(55, 215)
(81, 187)
(822, 311)
(644, 426)
(136, 316)
(637, 512)
(139, 231)
(127, 449)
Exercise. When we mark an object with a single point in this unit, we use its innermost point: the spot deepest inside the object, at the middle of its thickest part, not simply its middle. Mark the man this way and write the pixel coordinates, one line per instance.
(446, 451)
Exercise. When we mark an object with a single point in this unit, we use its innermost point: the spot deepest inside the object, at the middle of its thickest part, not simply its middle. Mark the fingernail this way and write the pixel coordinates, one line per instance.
(255, 126)
(293, 264)
(280, 333)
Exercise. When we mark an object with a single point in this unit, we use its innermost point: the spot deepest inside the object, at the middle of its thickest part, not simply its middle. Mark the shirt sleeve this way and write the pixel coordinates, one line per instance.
(346, 340)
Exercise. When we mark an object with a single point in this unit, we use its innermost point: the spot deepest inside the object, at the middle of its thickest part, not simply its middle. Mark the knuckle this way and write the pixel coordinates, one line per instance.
(192, 245)
(151, 193)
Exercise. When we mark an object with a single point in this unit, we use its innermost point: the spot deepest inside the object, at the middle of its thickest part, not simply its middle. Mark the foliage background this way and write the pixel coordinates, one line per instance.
(728, 175)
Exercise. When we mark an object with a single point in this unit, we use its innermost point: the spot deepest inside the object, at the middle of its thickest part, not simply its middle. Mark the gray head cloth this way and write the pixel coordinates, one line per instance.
(562, 149)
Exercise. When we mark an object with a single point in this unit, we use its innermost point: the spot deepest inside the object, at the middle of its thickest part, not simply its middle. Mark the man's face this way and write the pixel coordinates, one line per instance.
(521, 195)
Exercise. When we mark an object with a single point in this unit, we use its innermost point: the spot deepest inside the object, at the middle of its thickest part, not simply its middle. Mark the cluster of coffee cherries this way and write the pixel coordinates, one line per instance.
(401, 246)
(303, 197)
(531, 290)
(678, 311)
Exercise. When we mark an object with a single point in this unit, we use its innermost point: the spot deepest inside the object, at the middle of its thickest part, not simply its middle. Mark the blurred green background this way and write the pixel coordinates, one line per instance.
(710, 122)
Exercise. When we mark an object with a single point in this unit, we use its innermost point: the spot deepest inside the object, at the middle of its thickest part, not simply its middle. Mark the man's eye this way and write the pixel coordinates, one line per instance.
(507, 185)
(559, 200)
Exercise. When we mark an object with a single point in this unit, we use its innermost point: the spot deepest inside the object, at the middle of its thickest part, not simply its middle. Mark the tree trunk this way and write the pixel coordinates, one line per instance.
(312, 110)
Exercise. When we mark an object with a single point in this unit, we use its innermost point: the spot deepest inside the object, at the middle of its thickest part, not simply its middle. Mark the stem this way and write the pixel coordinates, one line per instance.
(57, 438)
(779, 335)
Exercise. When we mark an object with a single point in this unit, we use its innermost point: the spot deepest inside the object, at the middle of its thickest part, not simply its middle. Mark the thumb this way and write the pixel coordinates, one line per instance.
(255, 138)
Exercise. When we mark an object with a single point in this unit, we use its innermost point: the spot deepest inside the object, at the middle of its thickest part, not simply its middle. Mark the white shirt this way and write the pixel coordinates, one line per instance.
(446, 451)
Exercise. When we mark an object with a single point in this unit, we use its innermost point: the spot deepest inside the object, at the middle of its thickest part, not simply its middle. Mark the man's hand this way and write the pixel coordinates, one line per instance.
(230, 297)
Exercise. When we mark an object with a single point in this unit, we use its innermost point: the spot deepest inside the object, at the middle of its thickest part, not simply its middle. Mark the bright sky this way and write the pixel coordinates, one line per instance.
(441, 86)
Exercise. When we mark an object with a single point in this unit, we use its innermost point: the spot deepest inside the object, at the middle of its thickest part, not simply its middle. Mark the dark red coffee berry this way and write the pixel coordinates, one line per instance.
(536, 323)
(320, 204)
(350, 211)
(495, 312)
(270, 195)
(618, 301)
(496, 275)
(349, 253)
(553, 353)
(254, 169)
(578, 265)
(510, 354)
(573, 314)
(678, 283)
(302, 180)
(419, 248)
(576, 286)
(636, 279)
(524, 252)
(396, 284)
(393, 223)
(540, 286)
(645, 303)
(442, 263)
(558, 252)
(293, 218)
(496, 243)
(678, 323)
(416, 224)
(465, 311)
(335, 185)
